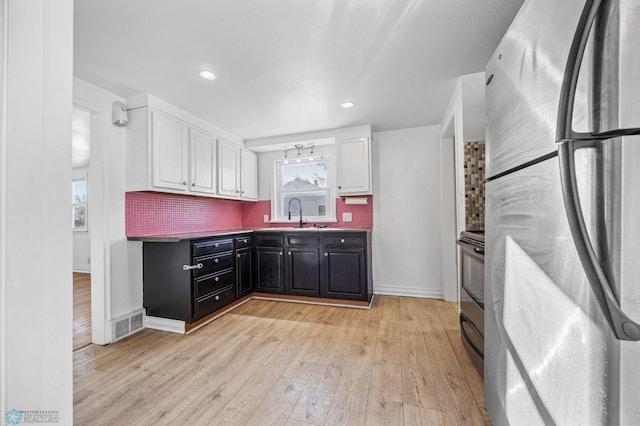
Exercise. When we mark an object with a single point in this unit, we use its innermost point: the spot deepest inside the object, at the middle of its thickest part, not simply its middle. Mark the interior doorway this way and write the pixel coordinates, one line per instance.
(80, 154)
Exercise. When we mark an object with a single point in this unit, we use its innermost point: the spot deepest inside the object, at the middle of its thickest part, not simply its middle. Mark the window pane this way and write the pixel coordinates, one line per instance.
(79, 204)
(313, 204)
(303, 176)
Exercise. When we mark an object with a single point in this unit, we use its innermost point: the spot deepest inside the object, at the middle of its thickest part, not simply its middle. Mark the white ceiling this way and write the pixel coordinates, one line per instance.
(284, 66)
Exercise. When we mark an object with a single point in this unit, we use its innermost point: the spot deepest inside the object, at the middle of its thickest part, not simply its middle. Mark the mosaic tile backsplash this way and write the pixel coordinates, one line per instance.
(154, 213)
(474, 185)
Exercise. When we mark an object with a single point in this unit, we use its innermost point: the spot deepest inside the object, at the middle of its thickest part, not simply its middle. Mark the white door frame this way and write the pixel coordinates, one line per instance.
(98, 194)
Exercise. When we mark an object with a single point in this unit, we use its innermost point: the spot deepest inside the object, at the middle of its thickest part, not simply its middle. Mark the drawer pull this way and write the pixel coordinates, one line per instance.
(187, 267)
(217, 297)
(342, 240)
(216, 260)
(245, 241)
(217, 279)
(216, 245)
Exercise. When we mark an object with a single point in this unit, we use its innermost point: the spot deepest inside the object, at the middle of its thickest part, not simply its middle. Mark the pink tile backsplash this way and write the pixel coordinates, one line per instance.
(362, 215)
(153, 213)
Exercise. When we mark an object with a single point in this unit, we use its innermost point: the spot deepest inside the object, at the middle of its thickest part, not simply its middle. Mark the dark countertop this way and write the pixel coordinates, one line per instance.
(174, 238)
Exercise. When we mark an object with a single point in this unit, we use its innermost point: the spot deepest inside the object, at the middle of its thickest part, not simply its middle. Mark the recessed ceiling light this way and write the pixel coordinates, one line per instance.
(348, 104)
(207, 75)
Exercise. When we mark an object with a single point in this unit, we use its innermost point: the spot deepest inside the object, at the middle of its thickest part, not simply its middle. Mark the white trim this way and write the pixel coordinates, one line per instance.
(99, 102)
(408, 291)
(164, 324)
(82, 269)
(3, 205)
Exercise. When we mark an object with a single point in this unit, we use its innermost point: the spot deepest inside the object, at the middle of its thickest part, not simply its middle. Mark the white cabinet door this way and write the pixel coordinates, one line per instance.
(170, 150)
(354, 167)
(248, 175)
(228, 169)
(203, 162)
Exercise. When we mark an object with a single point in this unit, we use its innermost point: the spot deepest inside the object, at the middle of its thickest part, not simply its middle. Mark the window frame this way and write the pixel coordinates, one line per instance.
(277, 194)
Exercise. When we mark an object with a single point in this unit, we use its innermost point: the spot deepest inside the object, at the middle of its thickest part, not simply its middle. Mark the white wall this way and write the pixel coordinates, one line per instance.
(81, 239)
(36, 307)
(406, 213)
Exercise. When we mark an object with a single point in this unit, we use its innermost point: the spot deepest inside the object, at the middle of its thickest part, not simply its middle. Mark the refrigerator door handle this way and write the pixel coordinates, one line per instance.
(564, 126)
(623, 327)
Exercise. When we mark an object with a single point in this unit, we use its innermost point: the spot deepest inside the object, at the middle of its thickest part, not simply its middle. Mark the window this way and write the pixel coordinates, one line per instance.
(303, 183)
(79, 203)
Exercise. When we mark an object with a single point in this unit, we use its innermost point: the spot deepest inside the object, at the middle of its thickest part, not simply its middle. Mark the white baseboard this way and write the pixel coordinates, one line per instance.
(164, 324)
(82, 269)
(407, 291)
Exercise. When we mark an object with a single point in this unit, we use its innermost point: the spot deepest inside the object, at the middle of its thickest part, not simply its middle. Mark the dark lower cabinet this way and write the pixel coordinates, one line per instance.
(303, 271)
(328, 264)
(190, 279)
(345, 274)
(244, 272)
(269, 269)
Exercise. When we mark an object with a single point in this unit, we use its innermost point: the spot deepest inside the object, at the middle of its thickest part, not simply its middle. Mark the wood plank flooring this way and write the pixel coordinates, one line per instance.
(81, 310)
(278, 363)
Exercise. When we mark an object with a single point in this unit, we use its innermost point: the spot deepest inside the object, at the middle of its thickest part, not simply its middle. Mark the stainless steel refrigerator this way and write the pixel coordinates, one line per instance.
(562, 264)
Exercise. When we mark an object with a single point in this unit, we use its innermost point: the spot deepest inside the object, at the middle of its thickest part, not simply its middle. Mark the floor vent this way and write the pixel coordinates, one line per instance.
(124, 326)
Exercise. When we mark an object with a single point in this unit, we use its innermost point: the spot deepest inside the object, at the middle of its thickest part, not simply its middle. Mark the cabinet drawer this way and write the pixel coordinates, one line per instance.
(201, 248)
(213, 263)
(302, 241)
(207, 284)
(344, 241)
(269, 241)
(215, 301)
(243, 242)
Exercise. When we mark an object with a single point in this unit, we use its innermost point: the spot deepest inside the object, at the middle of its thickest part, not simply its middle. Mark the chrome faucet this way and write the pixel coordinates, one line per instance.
(302, 222)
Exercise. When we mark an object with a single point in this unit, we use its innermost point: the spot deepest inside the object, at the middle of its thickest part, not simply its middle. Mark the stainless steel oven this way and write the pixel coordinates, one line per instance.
(472, 295)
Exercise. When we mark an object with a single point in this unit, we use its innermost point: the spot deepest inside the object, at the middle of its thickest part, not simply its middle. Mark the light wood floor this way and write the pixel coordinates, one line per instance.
(279, 363)
(81, 310)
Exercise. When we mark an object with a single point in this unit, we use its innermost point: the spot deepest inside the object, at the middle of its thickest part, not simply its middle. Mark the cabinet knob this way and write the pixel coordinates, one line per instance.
(342, 240)
(245, 241)
(217, 297)
(326, 254)
(193, 184)
(217, 279)
(238, 256)
(184, 183)
(339, 187)
(216, 260)
(289, 253)
(280, 253)
(237, 192)
(216, 245)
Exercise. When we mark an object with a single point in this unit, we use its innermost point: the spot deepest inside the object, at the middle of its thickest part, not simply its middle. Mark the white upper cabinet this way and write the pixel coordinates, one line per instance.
(166, 154)
(203, 162)
(228, 169)
(237, 172)
(170, 150)
(354, 167)
(248, 175)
